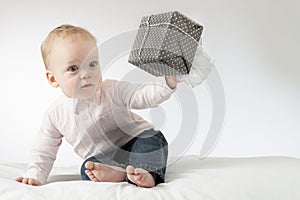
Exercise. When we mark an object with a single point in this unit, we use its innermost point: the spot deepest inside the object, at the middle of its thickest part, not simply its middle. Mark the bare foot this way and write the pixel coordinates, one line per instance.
(99, 172)
(140, 177)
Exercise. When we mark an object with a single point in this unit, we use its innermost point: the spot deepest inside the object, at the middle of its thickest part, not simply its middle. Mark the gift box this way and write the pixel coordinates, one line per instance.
(165, 44)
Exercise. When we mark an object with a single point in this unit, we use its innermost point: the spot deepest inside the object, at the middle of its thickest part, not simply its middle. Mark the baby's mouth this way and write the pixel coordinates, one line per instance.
(86, 85)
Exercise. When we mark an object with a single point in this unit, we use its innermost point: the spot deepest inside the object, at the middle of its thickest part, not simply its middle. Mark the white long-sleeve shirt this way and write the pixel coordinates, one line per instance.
(94, 126)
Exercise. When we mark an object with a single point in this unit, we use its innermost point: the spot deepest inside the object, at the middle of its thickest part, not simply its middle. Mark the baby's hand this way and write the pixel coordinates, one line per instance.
(171, 81)
(29, 181)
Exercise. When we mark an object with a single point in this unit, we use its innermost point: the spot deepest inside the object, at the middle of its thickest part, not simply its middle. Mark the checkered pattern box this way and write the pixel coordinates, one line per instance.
(165, 44)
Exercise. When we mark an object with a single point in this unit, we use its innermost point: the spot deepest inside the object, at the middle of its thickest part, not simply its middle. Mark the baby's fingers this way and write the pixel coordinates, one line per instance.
(19, 179)
(25, 180)
(22, 180)
(34, 182)
(28, 181)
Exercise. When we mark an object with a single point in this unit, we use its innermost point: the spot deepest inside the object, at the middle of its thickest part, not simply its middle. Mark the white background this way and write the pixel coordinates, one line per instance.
(255, 45)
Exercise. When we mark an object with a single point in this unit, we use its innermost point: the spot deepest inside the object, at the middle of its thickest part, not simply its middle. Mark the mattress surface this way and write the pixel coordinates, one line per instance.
(212, 178)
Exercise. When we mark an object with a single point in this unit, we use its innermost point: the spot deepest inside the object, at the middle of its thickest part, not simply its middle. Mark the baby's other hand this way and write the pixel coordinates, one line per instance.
(29, 181)
(171, 81)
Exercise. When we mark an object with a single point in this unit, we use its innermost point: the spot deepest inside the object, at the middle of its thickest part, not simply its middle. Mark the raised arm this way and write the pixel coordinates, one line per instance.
(142, 96)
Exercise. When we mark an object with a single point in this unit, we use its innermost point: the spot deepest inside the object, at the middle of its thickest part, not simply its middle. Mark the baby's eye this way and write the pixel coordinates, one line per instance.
(93, 64)
(73, 68)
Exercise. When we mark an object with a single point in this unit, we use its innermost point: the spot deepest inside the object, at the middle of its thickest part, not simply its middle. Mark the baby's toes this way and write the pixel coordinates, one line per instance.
(90, 174)
(130, 170)
(140, 177)
(89, 165)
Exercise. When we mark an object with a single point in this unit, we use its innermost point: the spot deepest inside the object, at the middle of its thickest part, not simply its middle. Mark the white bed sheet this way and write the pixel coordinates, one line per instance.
(256, 178)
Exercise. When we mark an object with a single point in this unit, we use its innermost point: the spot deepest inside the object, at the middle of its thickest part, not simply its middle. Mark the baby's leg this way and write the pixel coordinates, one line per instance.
(147, 159)
(102, 169)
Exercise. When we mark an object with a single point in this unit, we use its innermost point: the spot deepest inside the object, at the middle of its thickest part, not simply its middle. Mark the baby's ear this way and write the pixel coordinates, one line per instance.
(51, 79)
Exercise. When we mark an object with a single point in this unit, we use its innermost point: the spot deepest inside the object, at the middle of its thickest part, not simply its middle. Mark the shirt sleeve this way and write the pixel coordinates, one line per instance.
(141, 96)
(44, 151)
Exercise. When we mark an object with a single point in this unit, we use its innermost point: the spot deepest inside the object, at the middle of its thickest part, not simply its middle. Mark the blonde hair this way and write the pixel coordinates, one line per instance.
(61, 32)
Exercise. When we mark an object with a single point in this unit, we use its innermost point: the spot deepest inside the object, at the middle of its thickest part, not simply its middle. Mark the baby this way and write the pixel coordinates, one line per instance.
(95, 117)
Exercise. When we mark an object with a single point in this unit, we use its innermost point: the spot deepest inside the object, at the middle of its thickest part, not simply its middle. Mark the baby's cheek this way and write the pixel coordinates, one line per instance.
(73, 89)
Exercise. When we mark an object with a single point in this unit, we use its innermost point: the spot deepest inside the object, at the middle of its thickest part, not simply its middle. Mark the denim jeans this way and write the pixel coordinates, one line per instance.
(149, 151)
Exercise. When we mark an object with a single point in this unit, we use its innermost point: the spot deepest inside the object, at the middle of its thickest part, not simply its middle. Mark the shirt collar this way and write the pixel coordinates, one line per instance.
(81, 104)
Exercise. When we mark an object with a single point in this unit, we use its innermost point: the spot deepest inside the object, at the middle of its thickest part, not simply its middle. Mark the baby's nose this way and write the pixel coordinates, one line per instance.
(85, 74)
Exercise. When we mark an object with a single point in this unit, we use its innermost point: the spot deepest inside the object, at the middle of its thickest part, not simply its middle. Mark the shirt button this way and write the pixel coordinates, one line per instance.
(85, 117)
(80, 106)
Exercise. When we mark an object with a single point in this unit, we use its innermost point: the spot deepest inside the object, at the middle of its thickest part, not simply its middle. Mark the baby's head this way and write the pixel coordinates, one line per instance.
(70, 56)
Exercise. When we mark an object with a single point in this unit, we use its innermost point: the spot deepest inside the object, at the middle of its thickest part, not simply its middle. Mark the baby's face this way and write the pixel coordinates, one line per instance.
(74, 65)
